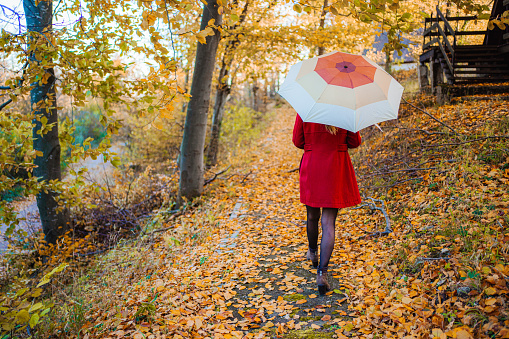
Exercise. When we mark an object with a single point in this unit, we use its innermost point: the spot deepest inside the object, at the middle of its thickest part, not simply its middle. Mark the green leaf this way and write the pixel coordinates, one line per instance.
(115, 161)
(36, 307)
(234, 17)
(34, 320)
(45, 311)
(297, 8)
(21, 292)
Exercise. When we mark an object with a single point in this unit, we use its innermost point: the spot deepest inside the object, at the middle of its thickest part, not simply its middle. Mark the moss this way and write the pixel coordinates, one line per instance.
(294, 297)
(308, 333)
(294, 312)
(310, 318)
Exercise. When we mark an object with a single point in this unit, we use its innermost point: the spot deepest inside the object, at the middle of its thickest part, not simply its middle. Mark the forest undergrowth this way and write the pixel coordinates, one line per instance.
(232, 265)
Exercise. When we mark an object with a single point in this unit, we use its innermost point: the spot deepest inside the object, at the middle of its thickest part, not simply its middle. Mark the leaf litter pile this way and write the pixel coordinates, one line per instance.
(235, 267)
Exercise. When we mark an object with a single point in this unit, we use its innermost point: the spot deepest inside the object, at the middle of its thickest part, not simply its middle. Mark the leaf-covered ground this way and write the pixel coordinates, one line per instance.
(234, 267)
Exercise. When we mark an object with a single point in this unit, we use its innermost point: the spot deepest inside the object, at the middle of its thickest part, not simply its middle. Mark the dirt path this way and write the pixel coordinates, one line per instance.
(249, 278)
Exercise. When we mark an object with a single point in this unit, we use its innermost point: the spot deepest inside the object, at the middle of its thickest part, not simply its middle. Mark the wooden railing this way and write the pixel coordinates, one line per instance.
(441, 37)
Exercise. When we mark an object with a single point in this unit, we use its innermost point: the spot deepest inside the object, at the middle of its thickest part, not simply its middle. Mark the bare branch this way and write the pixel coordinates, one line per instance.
(216, 175)
(5, 104)
(432, 117)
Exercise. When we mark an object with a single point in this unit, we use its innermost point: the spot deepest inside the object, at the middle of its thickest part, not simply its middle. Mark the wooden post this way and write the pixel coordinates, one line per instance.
(422, 73)
(437, 74)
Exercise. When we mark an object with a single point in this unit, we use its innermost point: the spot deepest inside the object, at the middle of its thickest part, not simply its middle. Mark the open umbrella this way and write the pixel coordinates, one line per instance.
(343, 90)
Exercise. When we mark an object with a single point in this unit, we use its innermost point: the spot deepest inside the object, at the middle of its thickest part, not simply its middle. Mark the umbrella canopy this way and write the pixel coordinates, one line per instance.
(343, 90)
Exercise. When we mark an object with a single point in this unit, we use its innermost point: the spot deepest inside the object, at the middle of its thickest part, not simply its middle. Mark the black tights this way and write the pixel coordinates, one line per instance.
(328, 233)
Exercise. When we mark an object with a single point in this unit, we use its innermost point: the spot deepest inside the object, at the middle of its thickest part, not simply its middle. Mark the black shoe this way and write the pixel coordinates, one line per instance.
(321, 281)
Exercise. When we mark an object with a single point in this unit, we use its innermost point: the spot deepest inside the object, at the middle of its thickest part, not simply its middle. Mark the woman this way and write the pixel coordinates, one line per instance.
(327, 181)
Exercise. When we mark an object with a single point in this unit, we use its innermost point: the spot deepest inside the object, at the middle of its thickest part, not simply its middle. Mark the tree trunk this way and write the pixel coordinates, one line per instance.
(43, 102)
(222, 92)
(321, 48)
(388, 62)
(255, 95)
(195, 128)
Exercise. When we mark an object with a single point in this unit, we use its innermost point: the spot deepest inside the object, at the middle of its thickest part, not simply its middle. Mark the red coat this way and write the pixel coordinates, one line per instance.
(327, 177)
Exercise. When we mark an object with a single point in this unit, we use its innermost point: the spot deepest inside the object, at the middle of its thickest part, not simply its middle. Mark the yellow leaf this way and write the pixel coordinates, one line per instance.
(316, 327)
(438, 333)
(302, 301)
(157, 123)
(312, 296)
(198, 323)
(406, 300)
(490, 291)
(22, 317)
(269, 324)
(201, 39)
(297, 8)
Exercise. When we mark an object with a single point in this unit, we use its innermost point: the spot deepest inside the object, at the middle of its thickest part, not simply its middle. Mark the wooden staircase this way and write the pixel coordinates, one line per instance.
(464, 64)
(479, 64)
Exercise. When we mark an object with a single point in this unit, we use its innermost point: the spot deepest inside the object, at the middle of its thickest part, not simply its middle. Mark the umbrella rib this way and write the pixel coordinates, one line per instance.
(364, 75)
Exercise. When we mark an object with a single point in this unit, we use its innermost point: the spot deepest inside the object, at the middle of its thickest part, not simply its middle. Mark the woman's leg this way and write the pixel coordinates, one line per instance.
(328, 236)
(313, 217)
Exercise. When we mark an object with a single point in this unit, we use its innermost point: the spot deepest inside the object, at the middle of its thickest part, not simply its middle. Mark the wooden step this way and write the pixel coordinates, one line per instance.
(484, 56)
(487, 66)
(460, 80)
(486, 71)
(483, 61)
(465, 89)
(475, 48)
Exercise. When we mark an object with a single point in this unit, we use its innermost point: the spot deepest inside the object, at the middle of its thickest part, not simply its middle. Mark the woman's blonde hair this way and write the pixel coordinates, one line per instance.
(331, 129)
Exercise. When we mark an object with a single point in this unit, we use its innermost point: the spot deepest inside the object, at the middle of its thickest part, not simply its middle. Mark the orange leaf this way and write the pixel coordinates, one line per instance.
(462, 334)
(325, 318)
(490, 301)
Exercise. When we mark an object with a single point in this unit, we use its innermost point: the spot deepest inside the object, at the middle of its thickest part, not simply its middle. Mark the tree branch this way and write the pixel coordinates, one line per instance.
(216, 175)
(432, 117)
